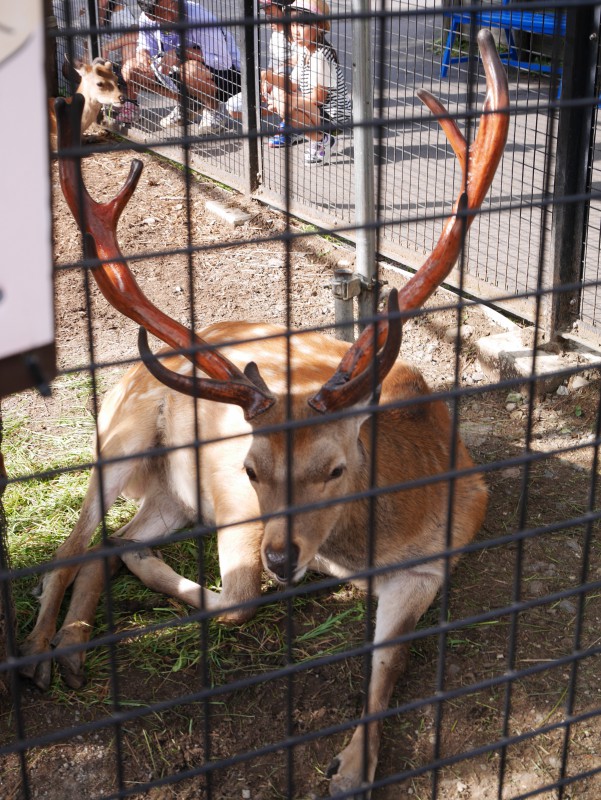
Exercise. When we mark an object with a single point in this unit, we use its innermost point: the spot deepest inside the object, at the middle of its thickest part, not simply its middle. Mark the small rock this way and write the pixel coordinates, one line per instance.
(562, 391)
(567, 606)
(245, 794)
(149, 221)
(537, 588)
(578, 382)
(450, 334)
(514, 397)
(453, 670)
(233, 216)
(511, 406)
(474, 433)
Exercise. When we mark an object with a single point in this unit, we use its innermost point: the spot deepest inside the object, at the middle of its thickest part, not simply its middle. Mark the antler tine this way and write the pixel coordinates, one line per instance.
(449, 126)
(99, 221)
(239, 392)
(354, 378)
(479, 169)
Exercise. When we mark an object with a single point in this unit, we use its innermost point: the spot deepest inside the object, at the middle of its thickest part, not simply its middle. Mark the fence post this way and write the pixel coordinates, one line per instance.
(572, 165)
(250, 94)
(93, 22)
(363, 134)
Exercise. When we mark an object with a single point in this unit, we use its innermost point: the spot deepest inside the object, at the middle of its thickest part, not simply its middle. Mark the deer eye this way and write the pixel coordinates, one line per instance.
(252, 475)
(336, 473)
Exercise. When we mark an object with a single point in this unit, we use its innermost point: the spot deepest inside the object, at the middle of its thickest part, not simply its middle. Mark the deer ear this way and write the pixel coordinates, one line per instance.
(360, 410)
(72, 71)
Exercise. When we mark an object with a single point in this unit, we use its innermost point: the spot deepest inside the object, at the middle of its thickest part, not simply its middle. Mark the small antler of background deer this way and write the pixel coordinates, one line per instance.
(381, 340)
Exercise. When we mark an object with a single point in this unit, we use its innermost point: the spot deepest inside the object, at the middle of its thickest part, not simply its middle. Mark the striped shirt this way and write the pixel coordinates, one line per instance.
(321, 68)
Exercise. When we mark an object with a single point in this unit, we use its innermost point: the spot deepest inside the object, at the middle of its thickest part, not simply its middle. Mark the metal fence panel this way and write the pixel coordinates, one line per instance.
(502, 696)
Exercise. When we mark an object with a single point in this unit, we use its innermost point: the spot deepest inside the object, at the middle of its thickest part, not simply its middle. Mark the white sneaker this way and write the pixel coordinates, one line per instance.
(319, 152)
(210, 124)
(174, 117)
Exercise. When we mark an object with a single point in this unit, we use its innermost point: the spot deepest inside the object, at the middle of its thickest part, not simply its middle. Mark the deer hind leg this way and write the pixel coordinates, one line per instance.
(55, 583)
(157, 516)
(402, 600)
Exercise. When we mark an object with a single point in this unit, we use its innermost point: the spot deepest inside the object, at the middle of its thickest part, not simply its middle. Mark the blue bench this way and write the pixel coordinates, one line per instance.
(549, 23)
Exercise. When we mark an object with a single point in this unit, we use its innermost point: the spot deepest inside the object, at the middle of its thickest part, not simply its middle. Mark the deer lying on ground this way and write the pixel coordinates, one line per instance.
(98, 85)
(266, 400)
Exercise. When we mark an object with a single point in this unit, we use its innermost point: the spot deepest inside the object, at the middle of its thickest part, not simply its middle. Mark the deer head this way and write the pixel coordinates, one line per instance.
(328, 458)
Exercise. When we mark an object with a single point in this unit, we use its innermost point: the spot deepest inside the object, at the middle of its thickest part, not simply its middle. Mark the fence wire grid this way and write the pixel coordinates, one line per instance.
(254, 687)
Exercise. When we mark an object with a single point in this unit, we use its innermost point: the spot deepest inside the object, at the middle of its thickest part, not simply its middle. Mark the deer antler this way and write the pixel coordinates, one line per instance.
(479, 164)
(381, 340)
(98, 221)
(354, 377)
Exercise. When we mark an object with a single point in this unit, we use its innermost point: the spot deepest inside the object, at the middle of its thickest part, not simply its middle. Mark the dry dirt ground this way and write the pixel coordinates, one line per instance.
(248, 281)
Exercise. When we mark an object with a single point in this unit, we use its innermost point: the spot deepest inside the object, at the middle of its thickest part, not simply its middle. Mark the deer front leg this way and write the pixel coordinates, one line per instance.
(402, 600)
(54, 586)
(79, 621)
(55, 583)
(154, 518)
(241, 570)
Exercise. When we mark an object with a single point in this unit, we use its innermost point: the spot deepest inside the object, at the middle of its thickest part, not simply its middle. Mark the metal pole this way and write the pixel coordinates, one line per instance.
(93, 22)
(363, 115)
(250, 95)
(572, 164)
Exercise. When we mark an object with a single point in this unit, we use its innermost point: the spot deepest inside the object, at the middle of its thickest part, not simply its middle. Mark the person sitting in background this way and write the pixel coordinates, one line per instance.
(315, 97)
(117, 47)
(280, 60)
(205, 58)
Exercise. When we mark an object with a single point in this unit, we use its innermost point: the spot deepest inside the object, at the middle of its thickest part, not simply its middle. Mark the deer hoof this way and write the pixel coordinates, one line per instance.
(343, 781)
(333, 768)
(40, 674)
(71, 665)
(71, 669)
(236, 617)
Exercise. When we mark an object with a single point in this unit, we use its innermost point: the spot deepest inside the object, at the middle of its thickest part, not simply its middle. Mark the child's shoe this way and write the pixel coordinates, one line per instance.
(319, 152)
(282, 139)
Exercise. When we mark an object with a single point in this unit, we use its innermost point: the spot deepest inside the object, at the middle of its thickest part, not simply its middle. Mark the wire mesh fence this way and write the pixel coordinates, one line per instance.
(267, 537)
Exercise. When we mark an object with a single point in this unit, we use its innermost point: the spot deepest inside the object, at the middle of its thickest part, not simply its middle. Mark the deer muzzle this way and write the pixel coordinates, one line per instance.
(282, 564)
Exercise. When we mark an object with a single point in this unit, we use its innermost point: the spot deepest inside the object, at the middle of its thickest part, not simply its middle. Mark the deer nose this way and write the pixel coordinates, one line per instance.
(277, 562)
